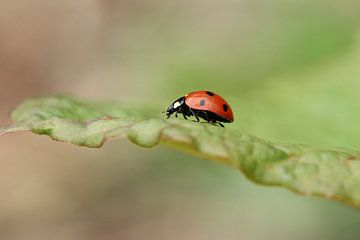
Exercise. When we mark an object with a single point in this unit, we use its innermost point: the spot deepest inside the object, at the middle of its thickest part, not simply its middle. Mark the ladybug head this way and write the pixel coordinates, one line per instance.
(175, 106)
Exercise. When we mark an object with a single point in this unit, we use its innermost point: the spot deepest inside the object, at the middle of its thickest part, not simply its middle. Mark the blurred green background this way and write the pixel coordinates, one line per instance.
(290, 70)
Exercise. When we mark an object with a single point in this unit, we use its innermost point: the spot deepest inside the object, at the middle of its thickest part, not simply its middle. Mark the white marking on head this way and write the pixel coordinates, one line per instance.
(177, 104)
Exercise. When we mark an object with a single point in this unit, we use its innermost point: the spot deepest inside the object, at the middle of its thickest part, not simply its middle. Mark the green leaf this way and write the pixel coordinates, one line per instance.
(332, 173)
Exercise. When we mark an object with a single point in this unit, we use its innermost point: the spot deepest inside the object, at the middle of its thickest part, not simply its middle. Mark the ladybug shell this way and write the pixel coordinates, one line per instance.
(209, 101)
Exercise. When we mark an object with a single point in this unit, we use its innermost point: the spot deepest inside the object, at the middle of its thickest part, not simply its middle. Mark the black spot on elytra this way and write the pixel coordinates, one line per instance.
(202, 102)
(225, 107)
(209, 93)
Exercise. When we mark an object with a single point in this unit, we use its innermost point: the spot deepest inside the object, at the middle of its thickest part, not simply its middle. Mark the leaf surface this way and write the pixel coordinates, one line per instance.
(328, 173)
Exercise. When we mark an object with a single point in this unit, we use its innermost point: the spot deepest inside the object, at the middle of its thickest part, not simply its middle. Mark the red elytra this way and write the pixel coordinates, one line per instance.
(209, 101)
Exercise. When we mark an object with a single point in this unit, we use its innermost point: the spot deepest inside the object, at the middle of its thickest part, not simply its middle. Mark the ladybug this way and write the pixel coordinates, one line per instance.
(202, 104)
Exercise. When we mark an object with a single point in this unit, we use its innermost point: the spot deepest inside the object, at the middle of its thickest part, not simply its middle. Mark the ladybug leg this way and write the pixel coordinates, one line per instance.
(176, 114)
(206, 117)
(220, 124)
(194, 114)
(197, 118)
(209, 119)
(184, 115)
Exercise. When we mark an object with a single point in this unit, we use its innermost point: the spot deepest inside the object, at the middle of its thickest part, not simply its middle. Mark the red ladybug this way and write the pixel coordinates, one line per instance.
(202, 104)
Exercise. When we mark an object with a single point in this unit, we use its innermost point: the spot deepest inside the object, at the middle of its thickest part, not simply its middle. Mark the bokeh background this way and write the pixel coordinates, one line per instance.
(290, 70)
